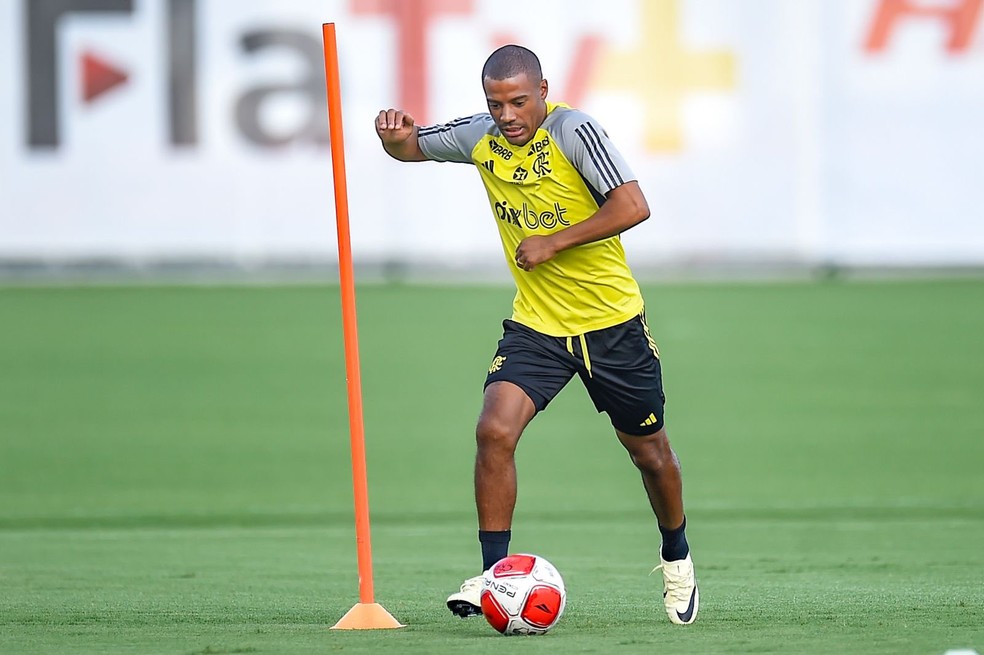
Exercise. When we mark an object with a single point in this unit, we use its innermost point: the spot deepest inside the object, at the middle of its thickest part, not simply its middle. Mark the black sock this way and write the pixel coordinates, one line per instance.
(675, 546)
(495, 546)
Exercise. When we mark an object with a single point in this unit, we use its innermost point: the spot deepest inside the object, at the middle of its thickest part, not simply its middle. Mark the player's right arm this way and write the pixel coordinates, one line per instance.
(398, 134)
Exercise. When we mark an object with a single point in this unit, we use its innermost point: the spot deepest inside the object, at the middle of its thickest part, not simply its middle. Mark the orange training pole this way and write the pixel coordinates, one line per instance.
(367, 614)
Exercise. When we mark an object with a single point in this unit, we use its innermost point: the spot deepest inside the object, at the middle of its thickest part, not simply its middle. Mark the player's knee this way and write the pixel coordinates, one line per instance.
(653, 457)
(495, 434)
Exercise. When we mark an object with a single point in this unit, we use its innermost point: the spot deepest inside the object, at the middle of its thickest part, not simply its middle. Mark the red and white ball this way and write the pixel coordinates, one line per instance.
(523, 595)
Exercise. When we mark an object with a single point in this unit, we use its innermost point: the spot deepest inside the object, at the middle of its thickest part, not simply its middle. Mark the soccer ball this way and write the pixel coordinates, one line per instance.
(523, 595)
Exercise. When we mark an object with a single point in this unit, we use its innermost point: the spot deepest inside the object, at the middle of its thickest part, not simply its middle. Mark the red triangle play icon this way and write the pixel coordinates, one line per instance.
(99, 76)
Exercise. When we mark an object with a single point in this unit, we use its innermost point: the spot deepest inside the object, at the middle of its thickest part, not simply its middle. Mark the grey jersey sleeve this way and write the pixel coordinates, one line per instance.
(593, 154)
(453, 141)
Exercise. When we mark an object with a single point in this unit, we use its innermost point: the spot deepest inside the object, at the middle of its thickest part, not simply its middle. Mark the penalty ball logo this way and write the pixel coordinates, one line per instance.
(523, 595)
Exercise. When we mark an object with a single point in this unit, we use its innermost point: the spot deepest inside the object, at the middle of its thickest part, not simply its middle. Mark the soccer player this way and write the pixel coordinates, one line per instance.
(561, 195)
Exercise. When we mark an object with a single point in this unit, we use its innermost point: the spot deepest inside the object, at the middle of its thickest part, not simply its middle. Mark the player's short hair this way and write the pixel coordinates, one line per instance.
(510, 61)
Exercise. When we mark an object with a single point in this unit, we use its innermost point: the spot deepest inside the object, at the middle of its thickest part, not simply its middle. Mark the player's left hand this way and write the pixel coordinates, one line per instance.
(533, 251)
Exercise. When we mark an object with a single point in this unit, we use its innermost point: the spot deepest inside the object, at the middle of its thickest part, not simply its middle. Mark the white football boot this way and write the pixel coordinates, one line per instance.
(468, 601)
(680, 594)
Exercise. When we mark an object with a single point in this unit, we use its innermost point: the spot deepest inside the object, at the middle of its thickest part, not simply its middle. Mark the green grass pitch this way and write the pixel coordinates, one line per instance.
(175, 473)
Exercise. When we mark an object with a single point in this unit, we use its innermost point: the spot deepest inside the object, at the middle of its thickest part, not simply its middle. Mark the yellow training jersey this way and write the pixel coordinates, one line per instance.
(557, 179)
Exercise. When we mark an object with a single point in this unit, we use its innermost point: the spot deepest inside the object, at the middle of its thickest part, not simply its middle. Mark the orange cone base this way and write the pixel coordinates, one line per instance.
(367, 616)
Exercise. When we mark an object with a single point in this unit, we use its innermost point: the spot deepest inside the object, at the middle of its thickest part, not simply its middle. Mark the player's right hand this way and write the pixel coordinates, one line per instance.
(394, 126)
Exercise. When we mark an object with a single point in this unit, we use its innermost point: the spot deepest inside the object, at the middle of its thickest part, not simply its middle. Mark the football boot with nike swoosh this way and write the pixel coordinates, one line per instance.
(680, 594)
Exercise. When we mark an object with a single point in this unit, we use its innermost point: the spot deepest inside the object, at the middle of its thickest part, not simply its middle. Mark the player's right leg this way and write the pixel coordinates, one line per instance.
(506, 411)
(528, 370)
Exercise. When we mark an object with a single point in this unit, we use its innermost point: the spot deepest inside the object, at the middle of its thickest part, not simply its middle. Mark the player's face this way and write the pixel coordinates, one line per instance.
(517, 105)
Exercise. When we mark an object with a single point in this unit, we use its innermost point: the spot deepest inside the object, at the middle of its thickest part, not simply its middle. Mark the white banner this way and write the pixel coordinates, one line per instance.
(842, 131)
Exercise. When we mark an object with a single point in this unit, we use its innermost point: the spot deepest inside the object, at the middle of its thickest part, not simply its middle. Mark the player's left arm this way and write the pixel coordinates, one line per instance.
(625, 207)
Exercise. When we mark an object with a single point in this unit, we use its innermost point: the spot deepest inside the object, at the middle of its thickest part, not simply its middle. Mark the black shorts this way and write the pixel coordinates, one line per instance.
(619, 367)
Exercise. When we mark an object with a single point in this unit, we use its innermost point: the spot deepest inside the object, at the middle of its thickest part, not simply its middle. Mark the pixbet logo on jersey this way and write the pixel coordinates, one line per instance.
(546, 219)
(176, 72)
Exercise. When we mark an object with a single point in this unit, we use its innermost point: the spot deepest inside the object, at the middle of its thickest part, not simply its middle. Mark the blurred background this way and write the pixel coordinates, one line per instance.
(189, 138)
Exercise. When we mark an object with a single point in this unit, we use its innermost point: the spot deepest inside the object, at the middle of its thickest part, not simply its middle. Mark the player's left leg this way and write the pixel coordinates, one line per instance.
(661, 477)
(625, 381)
